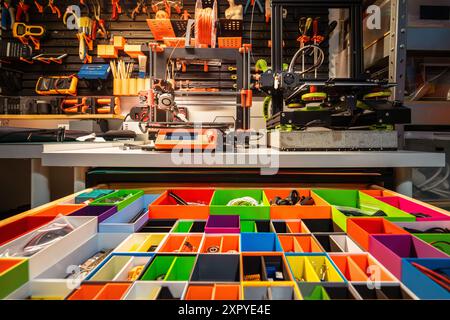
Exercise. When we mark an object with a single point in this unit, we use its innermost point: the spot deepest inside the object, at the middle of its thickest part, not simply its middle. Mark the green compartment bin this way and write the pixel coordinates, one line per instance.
(361, 200)
(13, 274)
(183, 227)
(159, 267)
(131, 196)
(221, 198)
(181, 269)
(437, 240)
(318, 293)
(248, 226)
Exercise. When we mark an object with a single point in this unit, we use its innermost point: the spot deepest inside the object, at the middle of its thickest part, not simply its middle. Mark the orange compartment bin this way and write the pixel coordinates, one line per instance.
(227, 292)
(320, 210)
(211, 241)
(360, 229)
(86, 292)
(64, 209)
(299, 243)
(230, 244)
(112, 291)
(199, 292)
(166, 207)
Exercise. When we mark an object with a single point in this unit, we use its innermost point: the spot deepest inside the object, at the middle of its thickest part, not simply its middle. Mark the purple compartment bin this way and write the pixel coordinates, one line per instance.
(101, 212)
(223, 224)
(390, 250)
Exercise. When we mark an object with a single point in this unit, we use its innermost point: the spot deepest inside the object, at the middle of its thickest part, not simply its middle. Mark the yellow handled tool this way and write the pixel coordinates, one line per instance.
(25, 33)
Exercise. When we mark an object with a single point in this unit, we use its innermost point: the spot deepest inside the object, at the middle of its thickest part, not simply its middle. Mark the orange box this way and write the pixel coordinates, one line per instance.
(303, 243)
(297, 227)
(119, 42)
(112, 291)
(165, 207)
(361, 267)
(86, 292)
(133, 50)
(225, 243)
(176, 243)
(199, 292)
(227, 292)
(320, 210)
(360, 229)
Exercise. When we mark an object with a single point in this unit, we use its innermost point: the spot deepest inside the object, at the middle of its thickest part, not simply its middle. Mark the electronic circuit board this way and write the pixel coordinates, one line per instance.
(223, 244)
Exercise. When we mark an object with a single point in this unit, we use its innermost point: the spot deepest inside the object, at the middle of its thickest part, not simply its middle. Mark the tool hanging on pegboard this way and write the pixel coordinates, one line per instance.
(84, 25)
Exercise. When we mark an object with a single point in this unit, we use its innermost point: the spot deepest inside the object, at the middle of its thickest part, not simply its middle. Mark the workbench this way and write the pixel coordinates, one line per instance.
(82, 156)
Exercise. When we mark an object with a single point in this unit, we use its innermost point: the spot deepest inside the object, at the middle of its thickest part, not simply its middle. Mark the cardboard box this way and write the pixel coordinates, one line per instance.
(165, 207)
(258, 267)
(120, 222)
(169, 268)
(313, 268)
(320, 210)
(216, 268)
(42, 290)
(77, 255)
(222, 197)
(299, 243)
(13, 274)
(361, 200)
(390, 250)
(361, 268)
(129, 197)
(360, 229)
(422, 285)
(260, 242)
(225, 244)
(84, 228)
(333, 242)
(154, 290)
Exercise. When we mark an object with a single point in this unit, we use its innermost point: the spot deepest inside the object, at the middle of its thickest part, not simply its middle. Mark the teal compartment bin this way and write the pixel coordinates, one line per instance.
(222, 197)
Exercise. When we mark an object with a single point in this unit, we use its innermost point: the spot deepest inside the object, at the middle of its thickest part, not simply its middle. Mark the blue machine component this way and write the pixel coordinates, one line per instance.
(94, 71)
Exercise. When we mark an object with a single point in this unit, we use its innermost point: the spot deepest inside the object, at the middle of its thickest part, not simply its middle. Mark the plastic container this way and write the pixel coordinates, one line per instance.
(169, 268)
(222, 197)
(141, 242)
(332, 242)
(101, 212)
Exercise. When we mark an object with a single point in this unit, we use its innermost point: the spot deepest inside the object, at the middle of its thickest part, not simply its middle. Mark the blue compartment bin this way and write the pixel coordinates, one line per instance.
(422, 285)
(260, 242)
(119, 222)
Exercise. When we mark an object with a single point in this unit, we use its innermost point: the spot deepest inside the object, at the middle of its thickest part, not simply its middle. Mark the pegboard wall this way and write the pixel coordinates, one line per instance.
(59, 39)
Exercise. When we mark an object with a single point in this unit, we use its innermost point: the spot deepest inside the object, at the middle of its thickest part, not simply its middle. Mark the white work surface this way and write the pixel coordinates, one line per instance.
(80, 156)
(255, 158)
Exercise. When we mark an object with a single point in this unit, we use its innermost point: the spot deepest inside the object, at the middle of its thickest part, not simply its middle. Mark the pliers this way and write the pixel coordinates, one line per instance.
(141, 8)
(51, 3)
(22, 9)
(117, 9)
(99, 26)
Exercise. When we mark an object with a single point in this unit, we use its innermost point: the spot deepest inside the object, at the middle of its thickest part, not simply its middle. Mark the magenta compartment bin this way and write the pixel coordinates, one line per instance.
(390, 250)
(412, 207)
(223, 224)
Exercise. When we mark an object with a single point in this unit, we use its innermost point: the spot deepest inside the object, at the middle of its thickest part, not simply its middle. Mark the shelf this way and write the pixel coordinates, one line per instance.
(59, 116)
